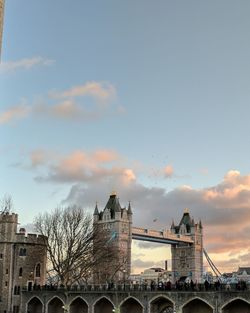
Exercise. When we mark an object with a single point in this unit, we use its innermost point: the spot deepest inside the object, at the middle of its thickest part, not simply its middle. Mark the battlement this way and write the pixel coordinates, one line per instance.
(6, 217)
(34, 239)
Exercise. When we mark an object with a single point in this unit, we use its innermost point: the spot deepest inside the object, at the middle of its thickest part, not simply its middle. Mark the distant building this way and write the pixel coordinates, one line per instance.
(243, 273)
(1, 23)
(22, 262)
(156, 274)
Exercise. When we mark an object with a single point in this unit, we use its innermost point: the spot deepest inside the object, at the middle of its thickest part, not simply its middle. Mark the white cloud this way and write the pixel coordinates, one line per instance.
(26, 64)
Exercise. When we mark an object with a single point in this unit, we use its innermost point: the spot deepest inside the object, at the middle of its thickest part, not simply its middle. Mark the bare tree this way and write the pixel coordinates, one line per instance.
(74, 247)
(6, 204)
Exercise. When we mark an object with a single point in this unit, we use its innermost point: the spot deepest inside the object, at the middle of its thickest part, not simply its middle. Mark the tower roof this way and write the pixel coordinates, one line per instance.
(113, 204)
(96, 212)
(129, 208)
(186, 219)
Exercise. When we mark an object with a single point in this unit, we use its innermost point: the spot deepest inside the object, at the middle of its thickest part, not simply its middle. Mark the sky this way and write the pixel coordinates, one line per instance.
(147, 98)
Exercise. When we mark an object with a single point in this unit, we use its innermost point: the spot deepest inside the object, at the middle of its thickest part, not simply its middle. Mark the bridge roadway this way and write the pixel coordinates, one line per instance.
(164, 236)
(134, 300)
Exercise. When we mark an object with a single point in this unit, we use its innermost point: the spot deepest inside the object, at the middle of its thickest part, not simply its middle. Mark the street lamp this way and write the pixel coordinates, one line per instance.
(65, 308)
(116, 310)
(124, 278)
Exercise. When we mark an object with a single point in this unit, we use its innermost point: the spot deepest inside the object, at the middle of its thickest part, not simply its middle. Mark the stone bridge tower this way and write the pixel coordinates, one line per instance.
(187, 259)
(118, 222)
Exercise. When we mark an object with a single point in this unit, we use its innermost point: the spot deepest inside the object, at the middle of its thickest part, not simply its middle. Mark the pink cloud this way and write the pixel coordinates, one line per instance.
(99, 90)
(69, 108)
(14, 113)
(168, 171)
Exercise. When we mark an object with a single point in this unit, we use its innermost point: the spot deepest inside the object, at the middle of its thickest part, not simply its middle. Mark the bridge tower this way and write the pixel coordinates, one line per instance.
(118, 222)
(187, 259)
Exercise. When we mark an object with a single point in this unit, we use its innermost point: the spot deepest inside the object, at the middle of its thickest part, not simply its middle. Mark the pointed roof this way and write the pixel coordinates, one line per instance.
(200, 224)
(172, 225)
(96, 212)
(129, 208)
(113, 205)
(186, 219)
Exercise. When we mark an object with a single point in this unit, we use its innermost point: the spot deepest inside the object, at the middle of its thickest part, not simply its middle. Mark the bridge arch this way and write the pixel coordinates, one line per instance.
(35, 305)
(55, 305)
(78, 303)
(237, 304)
(103, 305)
(201, 306)
(160, 303)
(132, 308)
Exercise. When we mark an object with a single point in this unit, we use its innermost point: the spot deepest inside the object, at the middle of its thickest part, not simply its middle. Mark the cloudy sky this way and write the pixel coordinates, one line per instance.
(147, 98)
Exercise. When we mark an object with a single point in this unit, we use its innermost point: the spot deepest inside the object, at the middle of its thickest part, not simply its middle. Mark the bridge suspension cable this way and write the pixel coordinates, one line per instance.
(212, 265)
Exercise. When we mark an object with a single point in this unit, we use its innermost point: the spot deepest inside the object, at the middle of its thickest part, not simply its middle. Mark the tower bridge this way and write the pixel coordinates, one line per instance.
(185, 238)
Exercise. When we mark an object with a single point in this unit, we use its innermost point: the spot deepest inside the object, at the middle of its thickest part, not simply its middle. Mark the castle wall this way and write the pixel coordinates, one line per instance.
(22, 261)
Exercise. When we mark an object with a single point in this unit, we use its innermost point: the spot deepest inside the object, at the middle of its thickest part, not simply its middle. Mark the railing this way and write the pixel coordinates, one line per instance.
(239, 287)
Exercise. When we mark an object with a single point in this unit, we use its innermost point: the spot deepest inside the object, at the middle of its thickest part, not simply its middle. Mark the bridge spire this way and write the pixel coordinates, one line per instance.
(129, 208)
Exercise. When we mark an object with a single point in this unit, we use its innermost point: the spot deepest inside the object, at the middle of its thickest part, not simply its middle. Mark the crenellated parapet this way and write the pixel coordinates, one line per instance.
(30, 239)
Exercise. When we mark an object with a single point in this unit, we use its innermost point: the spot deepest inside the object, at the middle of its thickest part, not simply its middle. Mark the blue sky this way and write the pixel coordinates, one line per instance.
(150, 98)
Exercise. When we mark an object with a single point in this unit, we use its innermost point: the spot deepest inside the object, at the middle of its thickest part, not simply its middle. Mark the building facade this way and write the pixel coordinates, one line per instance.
(22, 262)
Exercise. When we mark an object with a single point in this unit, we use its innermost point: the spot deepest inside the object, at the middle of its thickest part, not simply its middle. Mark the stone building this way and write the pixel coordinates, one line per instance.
(22, 262)
(1, 23)
(187, 259)
(118, 222)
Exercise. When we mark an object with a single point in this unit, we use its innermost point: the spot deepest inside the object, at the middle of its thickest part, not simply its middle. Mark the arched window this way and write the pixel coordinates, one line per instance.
(20, 272)
(22, 252)
(38, 270)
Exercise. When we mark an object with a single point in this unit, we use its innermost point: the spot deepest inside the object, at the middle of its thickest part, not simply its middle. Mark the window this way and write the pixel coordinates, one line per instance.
(20, 272)
(6, 284)
(1, 255)
(22, 252)
(15, 309)
(16, 290)
(7, 271)
(38, 270)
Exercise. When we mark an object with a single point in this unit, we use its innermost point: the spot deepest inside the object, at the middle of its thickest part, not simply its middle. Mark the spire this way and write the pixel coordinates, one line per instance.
(129, 208)
(172, 225)
(96, 212)
(200, 224)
